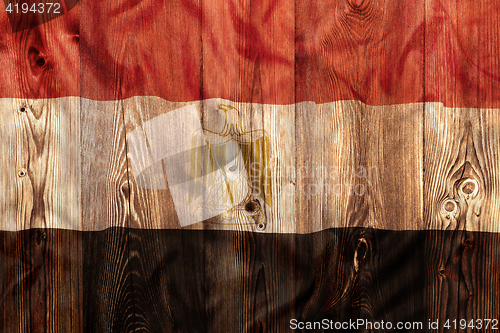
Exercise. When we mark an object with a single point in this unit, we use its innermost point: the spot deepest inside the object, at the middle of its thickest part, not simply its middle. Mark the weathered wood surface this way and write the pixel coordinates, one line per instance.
(406, 93)
(362, 156)
(41, 281)
(169, 281)
(277, 52)
(461, 146)
(41, 164)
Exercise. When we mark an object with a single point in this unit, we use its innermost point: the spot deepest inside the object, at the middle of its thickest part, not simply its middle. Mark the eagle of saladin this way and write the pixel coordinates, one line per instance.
(232, 171)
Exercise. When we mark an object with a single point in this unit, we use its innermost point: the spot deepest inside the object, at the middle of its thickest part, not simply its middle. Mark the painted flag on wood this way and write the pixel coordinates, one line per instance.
(204, 166)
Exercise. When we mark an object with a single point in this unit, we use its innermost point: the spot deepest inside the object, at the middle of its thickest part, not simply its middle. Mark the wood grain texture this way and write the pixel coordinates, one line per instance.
(348, 179)
(41, 281)
(41, 61)
(362, 156)
(394, 105)
(459, 150)
(151, 207)
(8, 163)
(458, 287)
(167, 280)
(105, 183)
(41, 179)
(41, 172)
(378, 52)
(353, 157)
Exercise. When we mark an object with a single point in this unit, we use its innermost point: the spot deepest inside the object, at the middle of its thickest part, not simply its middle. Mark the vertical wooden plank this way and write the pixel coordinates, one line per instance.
(393, 147)
(483, 262)
(14, 289)
(326, 155)
(279, 123)
(486, 137)
(46, 168)
(460, 164)
(41, 281)
(253, 63)
(63, 261)
(49, 171)
(105, 187)
(8, 166)
(109, 300)
(446, 145)
(41, 291)
(48, 163)
(360, 52)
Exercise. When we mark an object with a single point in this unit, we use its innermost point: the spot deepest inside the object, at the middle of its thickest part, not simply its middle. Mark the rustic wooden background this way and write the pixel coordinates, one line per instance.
(412, 90)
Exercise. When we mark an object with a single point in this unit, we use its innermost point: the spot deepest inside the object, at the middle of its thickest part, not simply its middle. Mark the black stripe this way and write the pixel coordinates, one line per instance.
(121, 280)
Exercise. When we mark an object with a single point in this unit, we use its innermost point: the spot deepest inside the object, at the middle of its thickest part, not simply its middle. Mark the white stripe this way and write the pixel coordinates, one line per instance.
(340, 164)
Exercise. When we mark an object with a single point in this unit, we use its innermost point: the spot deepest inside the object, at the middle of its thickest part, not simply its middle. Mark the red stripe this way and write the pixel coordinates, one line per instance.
(266, 51)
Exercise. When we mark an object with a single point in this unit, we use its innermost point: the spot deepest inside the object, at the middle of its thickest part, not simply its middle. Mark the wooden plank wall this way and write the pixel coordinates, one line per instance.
(406, 92)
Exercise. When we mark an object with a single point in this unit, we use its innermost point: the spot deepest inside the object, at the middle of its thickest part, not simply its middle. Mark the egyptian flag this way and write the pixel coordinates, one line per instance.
(249, 166)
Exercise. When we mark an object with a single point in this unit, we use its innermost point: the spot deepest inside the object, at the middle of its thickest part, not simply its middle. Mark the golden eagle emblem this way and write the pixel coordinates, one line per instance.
(231, 172)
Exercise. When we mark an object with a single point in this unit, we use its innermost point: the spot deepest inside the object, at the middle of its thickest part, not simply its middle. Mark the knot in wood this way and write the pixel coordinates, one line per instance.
(252, 205)
(125, 190)
(469, 188)
(361, 8)
(40, 236)
(450, 206)
(360, 253)
(356, 3)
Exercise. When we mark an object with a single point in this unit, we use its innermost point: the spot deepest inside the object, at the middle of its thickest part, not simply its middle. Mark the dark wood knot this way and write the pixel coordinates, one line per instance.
(125, 190)
(252, 205)
(41, 236)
